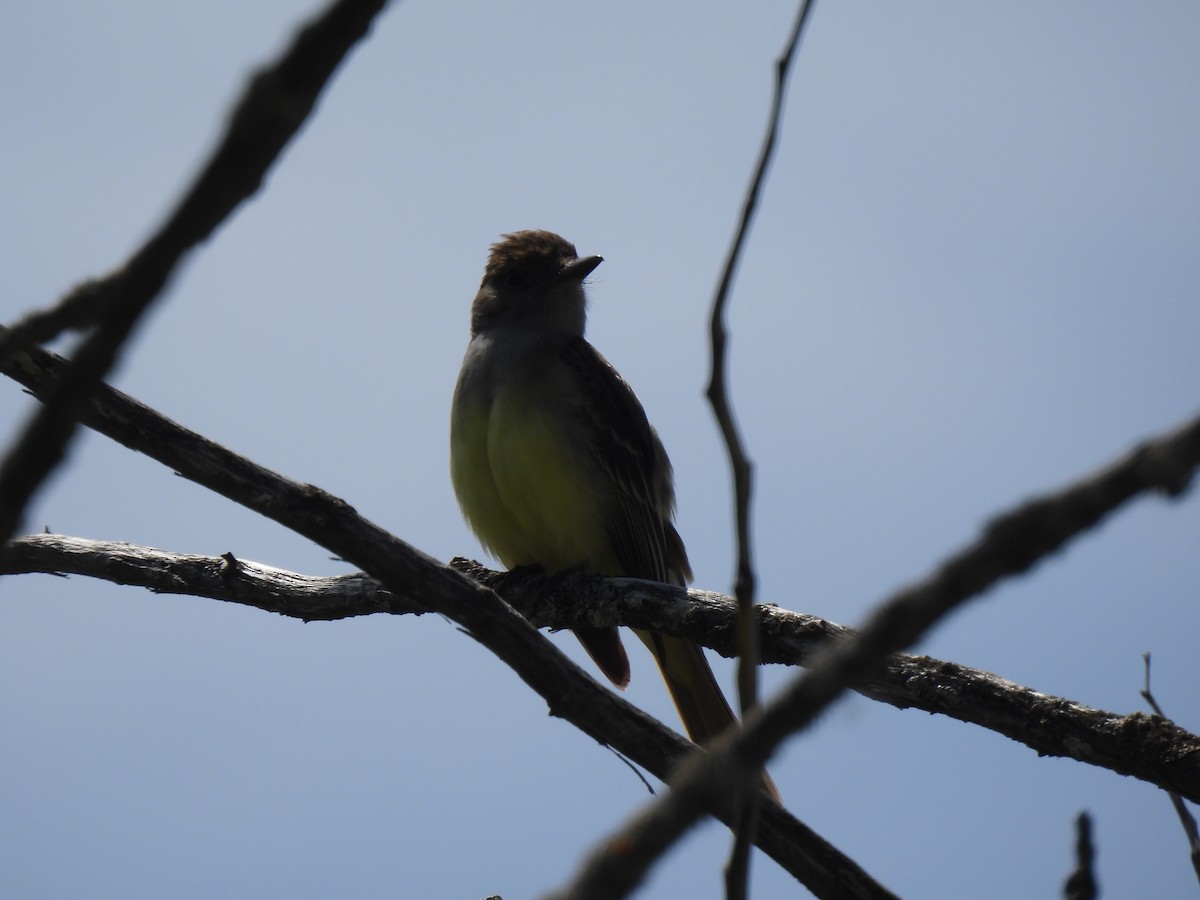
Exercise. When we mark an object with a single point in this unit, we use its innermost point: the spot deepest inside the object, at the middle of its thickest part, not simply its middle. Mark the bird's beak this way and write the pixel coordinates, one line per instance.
(579, 269)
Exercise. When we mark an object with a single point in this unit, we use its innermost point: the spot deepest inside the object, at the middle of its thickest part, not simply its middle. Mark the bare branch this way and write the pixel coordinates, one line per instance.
(1186, 820)
(569, 692)
(717, 392)
(736, 875)
(1010, 545)
(275, 104)
(1081, 885)
(1150, 748)
(225, 577)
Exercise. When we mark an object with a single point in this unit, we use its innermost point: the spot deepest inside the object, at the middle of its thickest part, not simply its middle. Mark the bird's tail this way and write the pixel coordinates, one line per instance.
(702, 706)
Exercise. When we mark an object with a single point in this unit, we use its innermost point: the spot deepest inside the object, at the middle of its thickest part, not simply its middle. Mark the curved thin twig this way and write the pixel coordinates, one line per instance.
(736, 871)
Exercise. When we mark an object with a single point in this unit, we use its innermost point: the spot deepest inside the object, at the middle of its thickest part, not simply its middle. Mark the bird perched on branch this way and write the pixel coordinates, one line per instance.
(555, 464)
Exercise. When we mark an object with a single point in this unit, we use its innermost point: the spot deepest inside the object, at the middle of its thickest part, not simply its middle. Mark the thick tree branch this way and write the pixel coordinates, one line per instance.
(569, 692)
(276, 102)
(1011, 544)
(1149, 748)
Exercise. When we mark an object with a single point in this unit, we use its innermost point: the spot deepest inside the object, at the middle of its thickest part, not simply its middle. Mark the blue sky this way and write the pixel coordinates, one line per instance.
(972, 279)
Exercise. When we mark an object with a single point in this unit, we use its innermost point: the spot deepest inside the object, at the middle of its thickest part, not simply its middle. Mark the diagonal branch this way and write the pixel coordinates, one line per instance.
(569, 692)
(276, 102)
(1011, 544)
(1186, 820)
(1149, 748)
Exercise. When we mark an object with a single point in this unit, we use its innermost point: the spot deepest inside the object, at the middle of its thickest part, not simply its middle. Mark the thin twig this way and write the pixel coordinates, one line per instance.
(737, 868)
(1186, 819)
(1081, 885)
(1150, 748)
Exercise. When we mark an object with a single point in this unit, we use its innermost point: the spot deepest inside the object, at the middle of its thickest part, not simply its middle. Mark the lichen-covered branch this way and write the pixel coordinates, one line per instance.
(330, 522)
(1147, 747)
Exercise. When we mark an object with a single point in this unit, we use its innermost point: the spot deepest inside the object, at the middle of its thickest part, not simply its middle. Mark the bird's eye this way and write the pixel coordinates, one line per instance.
(513, 279)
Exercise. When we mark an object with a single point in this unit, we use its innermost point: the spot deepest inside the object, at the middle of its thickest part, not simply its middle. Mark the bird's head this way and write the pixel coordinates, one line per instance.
(533, 279)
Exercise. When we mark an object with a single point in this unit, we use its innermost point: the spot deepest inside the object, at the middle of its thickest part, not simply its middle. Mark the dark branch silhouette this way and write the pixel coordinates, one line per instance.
(736, 877)
(1011, 544)
(1081, 885)
(1146, 747)
(400, 579)
(1150, 748)
(1186, 820)
(275, 105)
(330, 522)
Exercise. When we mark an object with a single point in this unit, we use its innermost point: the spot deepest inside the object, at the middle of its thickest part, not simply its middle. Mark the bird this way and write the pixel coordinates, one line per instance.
(555, 464)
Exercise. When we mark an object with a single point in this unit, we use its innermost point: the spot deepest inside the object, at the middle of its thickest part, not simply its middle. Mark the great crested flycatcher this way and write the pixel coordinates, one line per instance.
(555, 464)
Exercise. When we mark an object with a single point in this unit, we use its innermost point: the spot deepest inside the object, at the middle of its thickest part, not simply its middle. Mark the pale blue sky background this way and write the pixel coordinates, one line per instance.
(973, 278)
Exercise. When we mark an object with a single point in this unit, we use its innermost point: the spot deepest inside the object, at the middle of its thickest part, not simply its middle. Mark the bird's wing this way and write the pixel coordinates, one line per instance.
(629, 453)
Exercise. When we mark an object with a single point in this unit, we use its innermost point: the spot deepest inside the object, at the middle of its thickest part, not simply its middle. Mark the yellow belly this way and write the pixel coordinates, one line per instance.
(528, 493)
